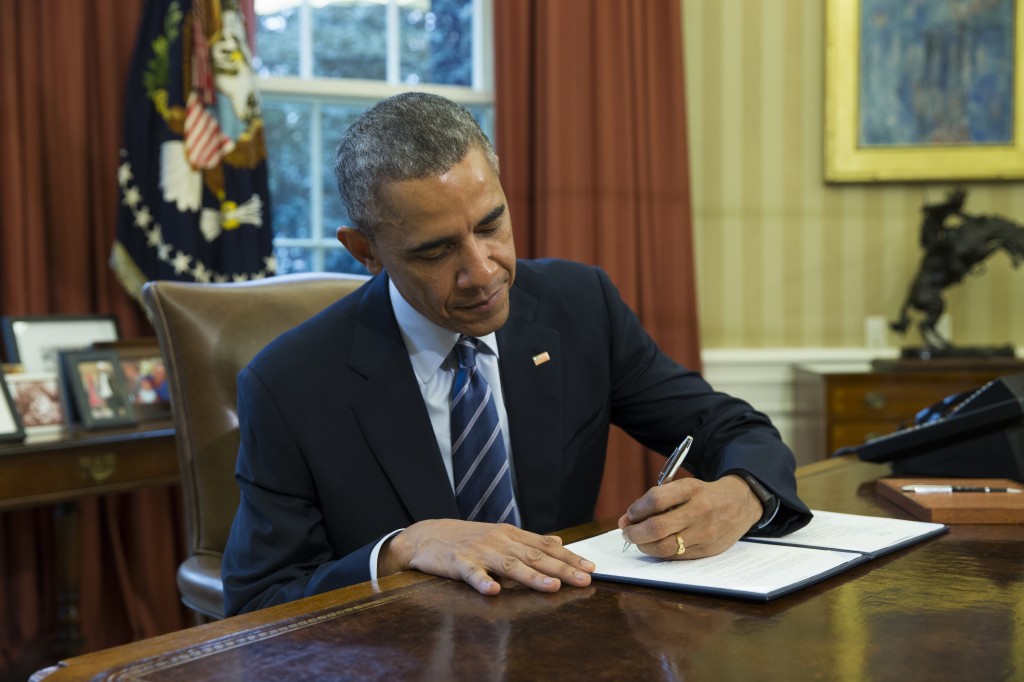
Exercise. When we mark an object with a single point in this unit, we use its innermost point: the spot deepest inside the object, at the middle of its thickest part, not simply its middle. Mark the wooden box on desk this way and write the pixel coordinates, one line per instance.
(954, 508)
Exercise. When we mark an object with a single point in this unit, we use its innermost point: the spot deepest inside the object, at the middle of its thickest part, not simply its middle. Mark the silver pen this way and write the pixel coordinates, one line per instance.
(668, 471)
(957, 489)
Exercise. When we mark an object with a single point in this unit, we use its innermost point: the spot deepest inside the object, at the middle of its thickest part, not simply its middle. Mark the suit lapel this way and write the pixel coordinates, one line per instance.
(391, 412)
(533, 400)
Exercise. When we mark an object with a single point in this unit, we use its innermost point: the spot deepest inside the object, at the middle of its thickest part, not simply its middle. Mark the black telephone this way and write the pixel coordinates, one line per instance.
(981, 436)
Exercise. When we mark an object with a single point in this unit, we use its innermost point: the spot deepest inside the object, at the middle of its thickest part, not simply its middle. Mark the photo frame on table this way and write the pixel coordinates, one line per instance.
(98, 389)
(37, 400)
(36, 341)
(11, 428)
(936, 94)
(145, 375)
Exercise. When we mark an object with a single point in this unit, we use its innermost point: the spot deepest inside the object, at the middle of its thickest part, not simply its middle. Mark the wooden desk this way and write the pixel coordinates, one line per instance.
(64, 466)
(844, 408)
(949, 608)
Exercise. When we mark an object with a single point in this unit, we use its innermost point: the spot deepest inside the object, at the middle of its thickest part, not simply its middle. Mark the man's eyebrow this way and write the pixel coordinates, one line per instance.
(492, 216)
(495, 213)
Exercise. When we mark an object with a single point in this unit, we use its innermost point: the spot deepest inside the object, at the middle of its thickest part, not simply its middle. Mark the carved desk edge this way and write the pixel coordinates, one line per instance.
(129, 660)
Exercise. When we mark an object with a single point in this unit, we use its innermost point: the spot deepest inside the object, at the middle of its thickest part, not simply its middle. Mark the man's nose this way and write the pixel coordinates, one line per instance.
(477, 268)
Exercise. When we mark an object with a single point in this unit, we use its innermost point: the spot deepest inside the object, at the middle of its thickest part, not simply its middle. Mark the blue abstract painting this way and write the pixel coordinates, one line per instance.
(936, 73)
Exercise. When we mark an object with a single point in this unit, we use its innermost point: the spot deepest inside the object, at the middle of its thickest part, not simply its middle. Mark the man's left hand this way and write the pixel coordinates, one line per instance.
(708, 518)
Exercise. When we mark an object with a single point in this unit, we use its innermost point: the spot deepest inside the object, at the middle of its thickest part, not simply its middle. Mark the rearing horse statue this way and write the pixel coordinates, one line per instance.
(955, 245)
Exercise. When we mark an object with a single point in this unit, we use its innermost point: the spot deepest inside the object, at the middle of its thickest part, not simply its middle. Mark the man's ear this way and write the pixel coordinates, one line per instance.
(360, 247)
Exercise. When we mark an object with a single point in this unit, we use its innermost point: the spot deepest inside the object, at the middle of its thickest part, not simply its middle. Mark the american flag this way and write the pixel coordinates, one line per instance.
(193, 174)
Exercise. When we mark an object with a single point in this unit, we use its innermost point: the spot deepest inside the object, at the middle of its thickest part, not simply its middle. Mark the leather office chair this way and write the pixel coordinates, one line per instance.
(207, 334)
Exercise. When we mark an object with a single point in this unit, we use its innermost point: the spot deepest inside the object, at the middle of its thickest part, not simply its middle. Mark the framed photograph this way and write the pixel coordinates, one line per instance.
(37, 400)
(35, 342)
(145, 375)
(926, 92)
(11, 428)
(98, 388)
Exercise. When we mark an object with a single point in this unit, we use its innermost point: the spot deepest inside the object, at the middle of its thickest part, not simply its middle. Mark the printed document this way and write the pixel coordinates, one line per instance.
(761, 568)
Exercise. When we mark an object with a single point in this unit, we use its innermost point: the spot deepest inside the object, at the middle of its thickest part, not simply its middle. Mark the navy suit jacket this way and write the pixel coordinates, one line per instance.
(337, 448)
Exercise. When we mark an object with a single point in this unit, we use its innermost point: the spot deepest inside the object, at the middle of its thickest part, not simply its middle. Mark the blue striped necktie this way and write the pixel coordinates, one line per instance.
(483, 482)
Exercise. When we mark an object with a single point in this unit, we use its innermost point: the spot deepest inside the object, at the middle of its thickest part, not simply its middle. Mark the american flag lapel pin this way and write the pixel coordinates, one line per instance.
(541, 358)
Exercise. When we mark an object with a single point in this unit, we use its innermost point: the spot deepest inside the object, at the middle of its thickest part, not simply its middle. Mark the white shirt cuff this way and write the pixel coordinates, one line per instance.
(376, 551)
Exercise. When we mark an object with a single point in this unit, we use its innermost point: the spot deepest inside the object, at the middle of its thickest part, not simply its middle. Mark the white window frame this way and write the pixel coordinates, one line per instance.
(318, 92)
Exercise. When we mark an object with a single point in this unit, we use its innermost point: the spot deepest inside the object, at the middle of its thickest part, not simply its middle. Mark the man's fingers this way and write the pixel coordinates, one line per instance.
(668, 547)
(481, 554)
(515, 569)
(656, 529)
(479, 580)
(543, 548)
(710, 518)
(542, 570)
(660, 499)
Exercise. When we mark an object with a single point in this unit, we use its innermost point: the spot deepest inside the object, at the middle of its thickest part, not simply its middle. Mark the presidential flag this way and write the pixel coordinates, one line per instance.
(193, 175)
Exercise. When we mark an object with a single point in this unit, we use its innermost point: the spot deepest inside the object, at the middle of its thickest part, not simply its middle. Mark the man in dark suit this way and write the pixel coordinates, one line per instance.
(346, 466)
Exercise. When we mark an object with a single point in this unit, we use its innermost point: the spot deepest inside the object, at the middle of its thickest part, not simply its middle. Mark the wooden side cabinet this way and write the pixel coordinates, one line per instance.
(838, 409)
(73, 463)
(63, 467)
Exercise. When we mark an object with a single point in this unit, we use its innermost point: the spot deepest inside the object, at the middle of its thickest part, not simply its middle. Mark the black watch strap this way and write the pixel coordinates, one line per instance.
(769, 502)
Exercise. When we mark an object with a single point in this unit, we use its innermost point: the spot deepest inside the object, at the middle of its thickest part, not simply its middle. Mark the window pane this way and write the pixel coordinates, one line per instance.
(293, 259)
(277, 38)
(437, 42)
(484, 116)
(287, 136)
(349, 40)
(340, 260)
(336, 120)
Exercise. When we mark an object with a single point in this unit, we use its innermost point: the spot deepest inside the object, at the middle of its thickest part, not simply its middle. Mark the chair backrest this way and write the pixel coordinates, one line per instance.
(207, 334)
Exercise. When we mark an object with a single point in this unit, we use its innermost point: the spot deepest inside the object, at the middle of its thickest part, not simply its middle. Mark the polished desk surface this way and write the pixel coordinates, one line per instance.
(951, 607)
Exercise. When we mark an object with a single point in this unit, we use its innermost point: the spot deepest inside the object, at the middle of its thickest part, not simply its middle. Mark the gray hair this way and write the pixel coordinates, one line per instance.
(406, 137)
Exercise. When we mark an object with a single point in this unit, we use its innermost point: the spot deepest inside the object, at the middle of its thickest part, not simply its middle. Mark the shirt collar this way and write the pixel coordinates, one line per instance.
(429, 344)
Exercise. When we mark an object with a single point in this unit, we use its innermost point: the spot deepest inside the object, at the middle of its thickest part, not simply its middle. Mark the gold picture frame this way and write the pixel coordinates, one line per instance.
(847, 160)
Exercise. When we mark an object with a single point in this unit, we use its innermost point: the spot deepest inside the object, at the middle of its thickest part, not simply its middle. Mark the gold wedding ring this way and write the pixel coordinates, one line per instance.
(682, 547)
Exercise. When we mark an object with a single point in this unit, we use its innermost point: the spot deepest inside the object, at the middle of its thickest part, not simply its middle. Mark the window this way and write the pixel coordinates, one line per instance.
(322, 63)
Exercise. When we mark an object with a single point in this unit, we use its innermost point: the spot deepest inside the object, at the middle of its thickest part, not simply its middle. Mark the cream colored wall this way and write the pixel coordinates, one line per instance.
(783, 259)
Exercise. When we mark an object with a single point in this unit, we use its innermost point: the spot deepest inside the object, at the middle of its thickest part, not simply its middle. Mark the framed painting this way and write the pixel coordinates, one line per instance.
(35, 342)
(923, 91)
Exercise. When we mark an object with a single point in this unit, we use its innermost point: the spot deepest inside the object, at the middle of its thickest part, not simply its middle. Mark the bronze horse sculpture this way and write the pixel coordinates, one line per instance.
(955, 245)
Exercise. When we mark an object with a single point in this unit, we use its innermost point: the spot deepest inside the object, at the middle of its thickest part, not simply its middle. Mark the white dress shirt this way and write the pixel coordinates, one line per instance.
(430, 347)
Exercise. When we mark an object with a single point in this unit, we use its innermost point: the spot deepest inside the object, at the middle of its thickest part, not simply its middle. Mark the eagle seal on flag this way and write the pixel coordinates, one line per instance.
(193, 175)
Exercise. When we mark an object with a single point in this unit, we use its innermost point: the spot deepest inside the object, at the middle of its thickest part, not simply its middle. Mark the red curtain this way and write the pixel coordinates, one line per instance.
(591, 134)
(61, 96)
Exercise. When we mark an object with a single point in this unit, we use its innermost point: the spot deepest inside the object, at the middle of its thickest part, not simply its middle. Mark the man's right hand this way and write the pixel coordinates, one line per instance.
(477, 553)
